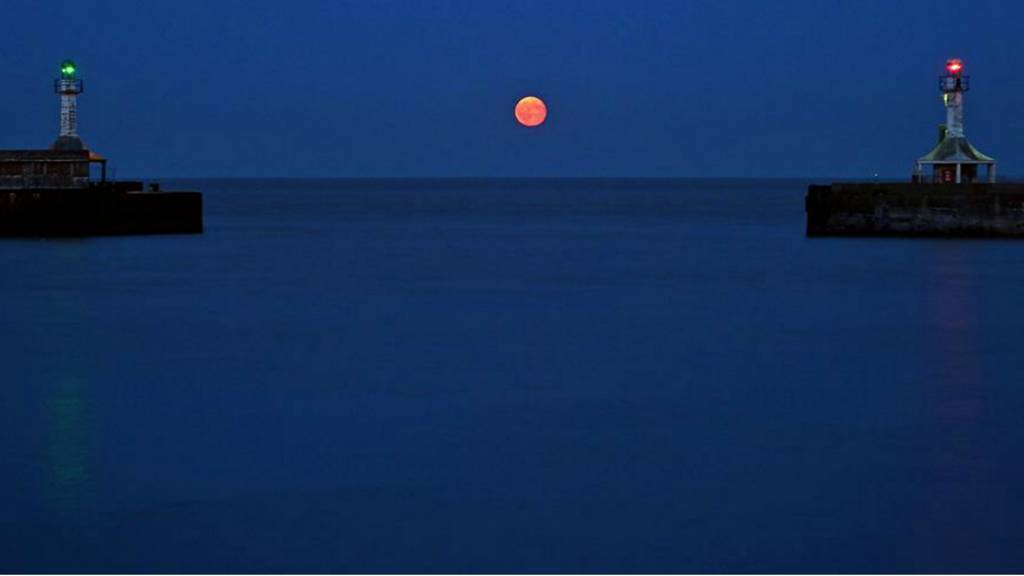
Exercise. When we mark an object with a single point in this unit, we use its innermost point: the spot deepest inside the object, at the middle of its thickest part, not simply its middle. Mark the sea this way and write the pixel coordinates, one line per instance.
(510, 376)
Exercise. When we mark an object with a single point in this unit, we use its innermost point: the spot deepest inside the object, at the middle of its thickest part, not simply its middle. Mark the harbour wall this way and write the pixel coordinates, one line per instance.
(108, 209)
(915, 209)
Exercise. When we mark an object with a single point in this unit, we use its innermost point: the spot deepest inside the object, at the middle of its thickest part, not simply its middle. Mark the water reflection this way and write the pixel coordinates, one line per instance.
(68, 448)
(955, 448)
(953, 304)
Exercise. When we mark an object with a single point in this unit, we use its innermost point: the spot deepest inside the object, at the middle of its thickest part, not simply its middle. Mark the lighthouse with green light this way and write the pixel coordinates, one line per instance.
(68, 85)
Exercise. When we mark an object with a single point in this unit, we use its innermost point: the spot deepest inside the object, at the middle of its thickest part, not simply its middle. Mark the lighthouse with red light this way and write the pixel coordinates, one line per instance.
(954, 160)
(953, 84)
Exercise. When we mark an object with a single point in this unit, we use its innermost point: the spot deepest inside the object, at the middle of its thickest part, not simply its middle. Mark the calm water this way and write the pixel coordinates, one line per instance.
(510, 376)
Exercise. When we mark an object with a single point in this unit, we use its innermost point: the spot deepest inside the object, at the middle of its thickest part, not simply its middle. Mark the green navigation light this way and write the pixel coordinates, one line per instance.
(68, 69)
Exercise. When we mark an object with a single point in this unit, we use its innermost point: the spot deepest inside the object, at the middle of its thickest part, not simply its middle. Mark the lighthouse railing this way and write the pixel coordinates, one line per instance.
(952, 83)
(68, 85)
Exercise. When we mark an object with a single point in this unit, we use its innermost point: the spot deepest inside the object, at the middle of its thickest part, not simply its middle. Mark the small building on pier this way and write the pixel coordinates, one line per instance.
(20, 169)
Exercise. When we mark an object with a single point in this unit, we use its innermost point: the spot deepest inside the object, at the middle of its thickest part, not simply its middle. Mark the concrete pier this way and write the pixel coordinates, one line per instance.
(108, 208)
(916, 209)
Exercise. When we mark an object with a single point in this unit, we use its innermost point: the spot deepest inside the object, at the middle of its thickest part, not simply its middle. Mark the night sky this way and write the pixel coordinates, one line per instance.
(403, 88)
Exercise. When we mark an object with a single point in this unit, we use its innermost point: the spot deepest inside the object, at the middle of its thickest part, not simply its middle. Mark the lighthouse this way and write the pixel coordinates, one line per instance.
(68, 85)
(56, 192)
(954, 159)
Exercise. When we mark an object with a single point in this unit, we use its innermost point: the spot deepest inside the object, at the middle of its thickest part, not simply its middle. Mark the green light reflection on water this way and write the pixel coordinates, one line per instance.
(68, 447)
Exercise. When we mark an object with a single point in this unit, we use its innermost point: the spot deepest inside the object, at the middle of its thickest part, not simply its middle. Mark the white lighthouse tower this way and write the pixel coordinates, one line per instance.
(68, 86)
(954, 160)
(953, 85)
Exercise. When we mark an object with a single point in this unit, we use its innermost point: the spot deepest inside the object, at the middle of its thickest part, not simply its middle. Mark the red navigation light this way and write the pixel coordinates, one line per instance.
(955, 66)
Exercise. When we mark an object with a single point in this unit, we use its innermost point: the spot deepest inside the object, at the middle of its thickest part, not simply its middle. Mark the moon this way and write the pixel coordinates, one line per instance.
(531, 111)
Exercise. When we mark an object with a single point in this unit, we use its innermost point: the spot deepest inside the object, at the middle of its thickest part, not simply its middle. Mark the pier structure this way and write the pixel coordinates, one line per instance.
(954, 160)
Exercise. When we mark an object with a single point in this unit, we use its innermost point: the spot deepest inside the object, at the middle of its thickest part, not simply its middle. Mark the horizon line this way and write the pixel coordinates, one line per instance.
(880, 178)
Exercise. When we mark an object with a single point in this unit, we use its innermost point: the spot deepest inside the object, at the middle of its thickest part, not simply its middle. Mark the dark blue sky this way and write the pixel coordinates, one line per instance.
(403, 88)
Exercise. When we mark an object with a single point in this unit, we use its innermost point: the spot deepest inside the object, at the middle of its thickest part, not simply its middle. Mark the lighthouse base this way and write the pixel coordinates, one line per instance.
(916, 209)
(101, 209)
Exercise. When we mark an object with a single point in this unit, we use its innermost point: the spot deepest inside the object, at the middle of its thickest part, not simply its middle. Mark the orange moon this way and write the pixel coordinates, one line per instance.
(531, 111)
